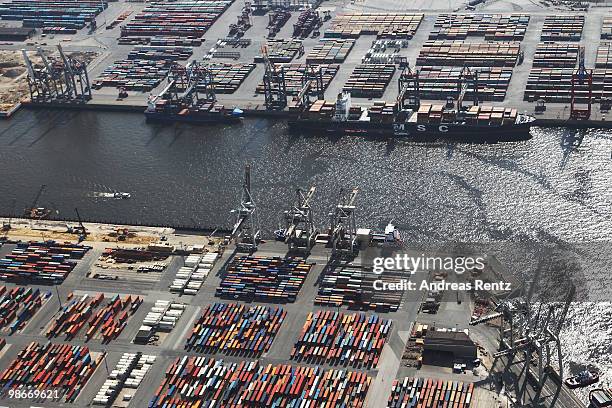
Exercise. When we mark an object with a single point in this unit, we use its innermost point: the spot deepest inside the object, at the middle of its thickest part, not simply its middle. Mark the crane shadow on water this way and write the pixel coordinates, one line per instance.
(571, 140)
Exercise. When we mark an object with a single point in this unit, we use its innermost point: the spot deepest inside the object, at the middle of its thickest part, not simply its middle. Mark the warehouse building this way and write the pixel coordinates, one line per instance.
(446, 348)
(16, 33)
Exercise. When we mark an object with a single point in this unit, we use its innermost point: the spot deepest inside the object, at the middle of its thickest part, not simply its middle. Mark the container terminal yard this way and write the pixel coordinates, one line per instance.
(114, 315)
(133, 316)
(546, 59)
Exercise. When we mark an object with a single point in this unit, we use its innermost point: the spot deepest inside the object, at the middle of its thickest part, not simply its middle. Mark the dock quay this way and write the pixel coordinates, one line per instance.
(525, 58)
(146, 309)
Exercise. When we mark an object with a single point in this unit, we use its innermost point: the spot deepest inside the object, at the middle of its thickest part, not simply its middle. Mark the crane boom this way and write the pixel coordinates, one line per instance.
(28, 63)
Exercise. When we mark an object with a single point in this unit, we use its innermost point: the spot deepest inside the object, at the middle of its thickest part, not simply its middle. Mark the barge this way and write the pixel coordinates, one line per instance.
(162, 111)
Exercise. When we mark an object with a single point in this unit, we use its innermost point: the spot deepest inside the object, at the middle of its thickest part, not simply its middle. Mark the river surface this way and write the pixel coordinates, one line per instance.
(553, 190)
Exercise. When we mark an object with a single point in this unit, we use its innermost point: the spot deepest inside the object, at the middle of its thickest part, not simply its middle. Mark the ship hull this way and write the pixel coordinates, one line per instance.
(195, 118)
(417, 131)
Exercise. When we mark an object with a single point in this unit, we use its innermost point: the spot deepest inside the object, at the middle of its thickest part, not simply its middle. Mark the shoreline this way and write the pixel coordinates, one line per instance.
(282, 115)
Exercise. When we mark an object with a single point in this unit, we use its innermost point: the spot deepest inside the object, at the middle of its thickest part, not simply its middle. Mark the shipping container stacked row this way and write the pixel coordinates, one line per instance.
(263, 279)
(329, 51)
(277, 20)
(354, 287)
(562, 28)
(325, 110)
(555, 85)
(227, 78)
(120, 19)
(66, 15)
(164, 316)
(175, 41)
(134, 75)
(104, 319)
(604, 55)
(308, 22)
(128, 373)
(395, 26)
(160, 53)
(190, 277)
(18, 305)
(381, 112)
(60, 367)
(294, 76)
(191, 18)
(439, 83)
(45, 262)
(222, 384)
(606, 29)
(556, 55)
(334, 338)
(369, 80)
(413, 350)
(235, 329)
(386, 52)
(476, 114)
(495, 27)
(282, 51)
(460, 53)
(428, 392)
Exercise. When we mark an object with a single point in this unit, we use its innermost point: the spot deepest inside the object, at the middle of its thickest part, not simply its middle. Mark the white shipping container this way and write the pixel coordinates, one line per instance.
(174, 313)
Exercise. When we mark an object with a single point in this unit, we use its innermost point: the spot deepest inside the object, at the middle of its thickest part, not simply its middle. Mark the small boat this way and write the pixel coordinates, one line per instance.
(582, 379)
(280, 234)
(122, 196)
(392, 234)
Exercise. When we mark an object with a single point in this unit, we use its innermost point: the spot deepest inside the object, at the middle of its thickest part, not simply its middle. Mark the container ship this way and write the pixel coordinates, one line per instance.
(428, 122)
(162, 110)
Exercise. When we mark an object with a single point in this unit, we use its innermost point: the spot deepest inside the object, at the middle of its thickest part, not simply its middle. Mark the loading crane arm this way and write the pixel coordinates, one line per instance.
(300, 233)
(28, 63)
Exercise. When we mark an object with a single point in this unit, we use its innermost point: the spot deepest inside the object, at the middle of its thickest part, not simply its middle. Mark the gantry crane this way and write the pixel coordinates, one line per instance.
(188, 87)
(312, 86)
(530, 331)
(275, 88)
(246, 231)
(467, 77)
(409, 96)
(300, 231)
(59, 80)
(581, 78)
(343, 230)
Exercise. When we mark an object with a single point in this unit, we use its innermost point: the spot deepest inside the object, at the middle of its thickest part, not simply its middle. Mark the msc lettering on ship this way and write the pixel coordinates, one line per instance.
(441, 128)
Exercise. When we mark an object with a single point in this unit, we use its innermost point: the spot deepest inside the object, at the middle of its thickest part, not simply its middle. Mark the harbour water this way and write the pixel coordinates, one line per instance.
(551, 190)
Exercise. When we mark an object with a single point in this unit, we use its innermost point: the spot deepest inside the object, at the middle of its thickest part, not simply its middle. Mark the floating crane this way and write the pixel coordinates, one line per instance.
(530, 330)
(581, 78)
(35, 212)
(343, 230)
(300, 232)
(246, 231)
